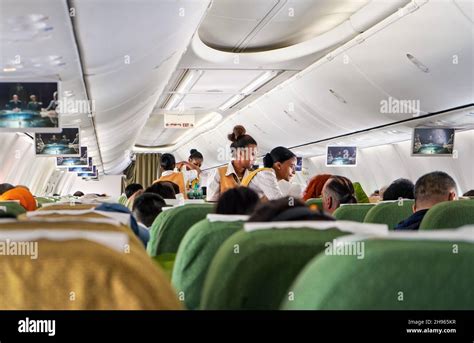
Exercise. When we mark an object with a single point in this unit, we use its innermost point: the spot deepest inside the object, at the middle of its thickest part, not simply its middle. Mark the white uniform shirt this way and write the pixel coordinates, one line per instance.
(265, 184)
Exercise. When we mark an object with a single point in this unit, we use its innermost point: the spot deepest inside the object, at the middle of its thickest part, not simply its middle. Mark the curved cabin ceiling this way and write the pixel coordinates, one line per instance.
(259, 25)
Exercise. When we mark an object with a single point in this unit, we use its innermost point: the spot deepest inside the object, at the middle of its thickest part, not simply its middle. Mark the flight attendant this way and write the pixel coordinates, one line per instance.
(196, 159)
(279, 164)
(169, 172)
(244, 151)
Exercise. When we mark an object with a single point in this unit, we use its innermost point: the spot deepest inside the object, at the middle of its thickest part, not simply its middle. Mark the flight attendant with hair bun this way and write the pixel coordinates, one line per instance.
(244, 152)
(279, 164)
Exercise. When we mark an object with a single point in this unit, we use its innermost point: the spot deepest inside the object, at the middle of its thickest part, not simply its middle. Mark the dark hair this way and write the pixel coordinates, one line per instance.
(342, 189)
(132, 188)
(239, 200)
(4, 187)
(433, 185)
(278, 154)
(469, 193)
(78, 194)
(194, 154)
(147, 207)
(167, 162)
(400, 188)
(163, 189)
(286, 209)
(239, 138)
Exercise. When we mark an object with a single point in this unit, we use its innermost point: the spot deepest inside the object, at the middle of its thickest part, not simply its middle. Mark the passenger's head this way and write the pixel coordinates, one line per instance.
(163, 189)
(243, 147)
(336, 191)
(167, 162)
(286, 209)
(315, 186)
(469, 193)
(132, 188)
(433, 188)
(239, 200)
(147, 207)
(283, 161)
(196, 158)
(400, 188)
(5, 187)
(78, 194)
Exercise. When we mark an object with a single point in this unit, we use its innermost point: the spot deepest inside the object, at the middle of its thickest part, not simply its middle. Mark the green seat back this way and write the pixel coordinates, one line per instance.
(12, 207)
(253, 270)
(44, 200)
(393, 275)
(390, 213)
(448, 215)
(122, 199)
(360, 194)
(171, 225)
(195, 253)
(315, 201)
(353, 212)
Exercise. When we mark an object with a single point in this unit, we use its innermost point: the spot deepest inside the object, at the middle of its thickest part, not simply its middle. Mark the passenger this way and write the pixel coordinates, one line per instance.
(170, 173)
(147, 207)
(286, 209)
(239, 200)
(469, 193)
(132, 189)
(279, 164)
(400, 188)
(78, 194)
(164, 189)
(430, 189)
(315, 186)
(336, 191)
(5, 187)
(244, 152)
(22, 194)
(138, 230)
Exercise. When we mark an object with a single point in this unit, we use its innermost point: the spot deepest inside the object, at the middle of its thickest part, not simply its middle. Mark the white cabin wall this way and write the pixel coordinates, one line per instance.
(19, 165)
(379, 166)
(107, 184)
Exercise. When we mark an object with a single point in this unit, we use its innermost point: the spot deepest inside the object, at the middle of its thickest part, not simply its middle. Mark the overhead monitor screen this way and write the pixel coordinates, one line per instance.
(341, 156)
(81, 161)
(65, 143)
(29, 107)
(433, 141)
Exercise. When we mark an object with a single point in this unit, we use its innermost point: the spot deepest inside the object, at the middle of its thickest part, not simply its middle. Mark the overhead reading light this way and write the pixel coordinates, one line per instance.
(188, 82)
(338, 97)
(418, 64)
(9, 69)
(249, 89)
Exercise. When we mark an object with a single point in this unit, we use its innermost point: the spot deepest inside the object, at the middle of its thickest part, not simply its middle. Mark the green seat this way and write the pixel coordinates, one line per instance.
(171, 225)
(44, 200)
(448, 215)
(353, 212)
(122, 199)
(253, 270)
(390, 213)
(395, 274)
(12, 207)
(315, 201)
(195, 253)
